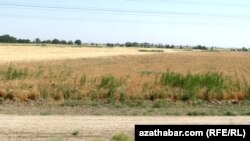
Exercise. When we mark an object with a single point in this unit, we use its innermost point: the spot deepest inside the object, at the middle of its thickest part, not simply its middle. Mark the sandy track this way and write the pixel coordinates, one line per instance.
(13, 127)
(36, 53)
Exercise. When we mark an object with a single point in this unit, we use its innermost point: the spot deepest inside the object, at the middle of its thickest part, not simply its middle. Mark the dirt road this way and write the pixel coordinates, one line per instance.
(14, 127)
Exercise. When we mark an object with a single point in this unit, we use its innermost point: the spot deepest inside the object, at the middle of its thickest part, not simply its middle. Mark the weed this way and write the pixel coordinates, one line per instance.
(45, 113)
(76, 133)
(229, 113)
(12, 73)
(248, 92)
(246, 114)
(191, 83)
(39, 72)
(97, 139)
(122, 137)
(123, 97)
(111, 84)
(82, 80)
(135, 103)
(68, 92)
(71, 103)
(147, 72)
(55, 139)
(160, 104)
(196, 113)
(44, 93)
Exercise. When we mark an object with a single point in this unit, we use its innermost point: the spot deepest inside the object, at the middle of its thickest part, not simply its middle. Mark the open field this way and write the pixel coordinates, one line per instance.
(216, 75)
(33, 53)
(161, 80)
(41, 87)
(89, 128)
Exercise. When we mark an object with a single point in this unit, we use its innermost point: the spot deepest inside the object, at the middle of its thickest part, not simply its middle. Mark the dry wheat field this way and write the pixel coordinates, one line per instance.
(18, 52)
(47, 83)
(157, 80)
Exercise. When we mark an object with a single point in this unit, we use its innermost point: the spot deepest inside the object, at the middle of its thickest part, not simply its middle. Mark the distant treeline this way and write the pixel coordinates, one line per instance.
(11, 39)
(144, 45)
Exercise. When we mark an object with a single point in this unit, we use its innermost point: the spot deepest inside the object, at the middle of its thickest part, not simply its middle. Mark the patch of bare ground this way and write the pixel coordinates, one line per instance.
(90, 127)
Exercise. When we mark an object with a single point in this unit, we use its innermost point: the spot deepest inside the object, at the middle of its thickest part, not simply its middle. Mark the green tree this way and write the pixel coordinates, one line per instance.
(37, 40)
(55, 41)
(70, 43)
(63, 42)
(7, 39)
(78, 42)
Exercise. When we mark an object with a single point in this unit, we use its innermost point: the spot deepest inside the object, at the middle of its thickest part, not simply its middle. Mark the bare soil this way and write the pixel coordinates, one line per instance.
(16, 127)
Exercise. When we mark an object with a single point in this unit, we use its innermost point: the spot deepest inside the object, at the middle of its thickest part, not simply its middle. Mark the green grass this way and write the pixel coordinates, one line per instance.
(122, 137)
(55, 139)
(110, 84)
(97, 139)
(211, 81)
(164, 107)
(71, 103)
(160, 104)
(69, 92)
(190, 84)
(11, 73)
(82, 80)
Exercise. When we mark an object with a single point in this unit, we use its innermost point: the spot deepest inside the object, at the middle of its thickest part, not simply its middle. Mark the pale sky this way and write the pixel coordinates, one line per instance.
(224, 23)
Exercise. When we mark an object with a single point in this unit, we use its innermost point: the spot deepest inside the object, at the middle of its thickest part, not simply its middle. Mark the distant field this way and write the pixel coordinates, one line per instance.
(9, 53)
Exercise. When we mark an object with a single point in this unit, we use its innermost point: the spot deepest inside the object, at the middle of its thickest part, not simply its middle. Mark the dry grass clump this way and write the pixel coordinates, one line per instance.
(21, 95)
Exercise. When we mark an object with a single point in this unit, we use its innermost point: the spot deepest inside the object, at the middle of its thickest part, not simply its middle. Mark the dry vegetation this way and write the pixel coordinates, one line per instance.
(19, 52)
(206, 76)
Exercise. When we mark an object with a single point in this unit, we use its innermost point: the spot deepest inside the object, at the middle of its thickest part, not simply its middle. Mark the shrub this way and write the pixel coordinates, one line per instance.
(110, 84)
(76, 133)
(122, 137)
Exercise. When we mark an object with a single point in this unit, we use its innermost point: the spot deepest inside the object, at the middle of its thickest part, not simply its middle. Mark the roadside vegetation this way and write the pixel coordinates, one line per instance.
(151, 82)
(167, 85)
